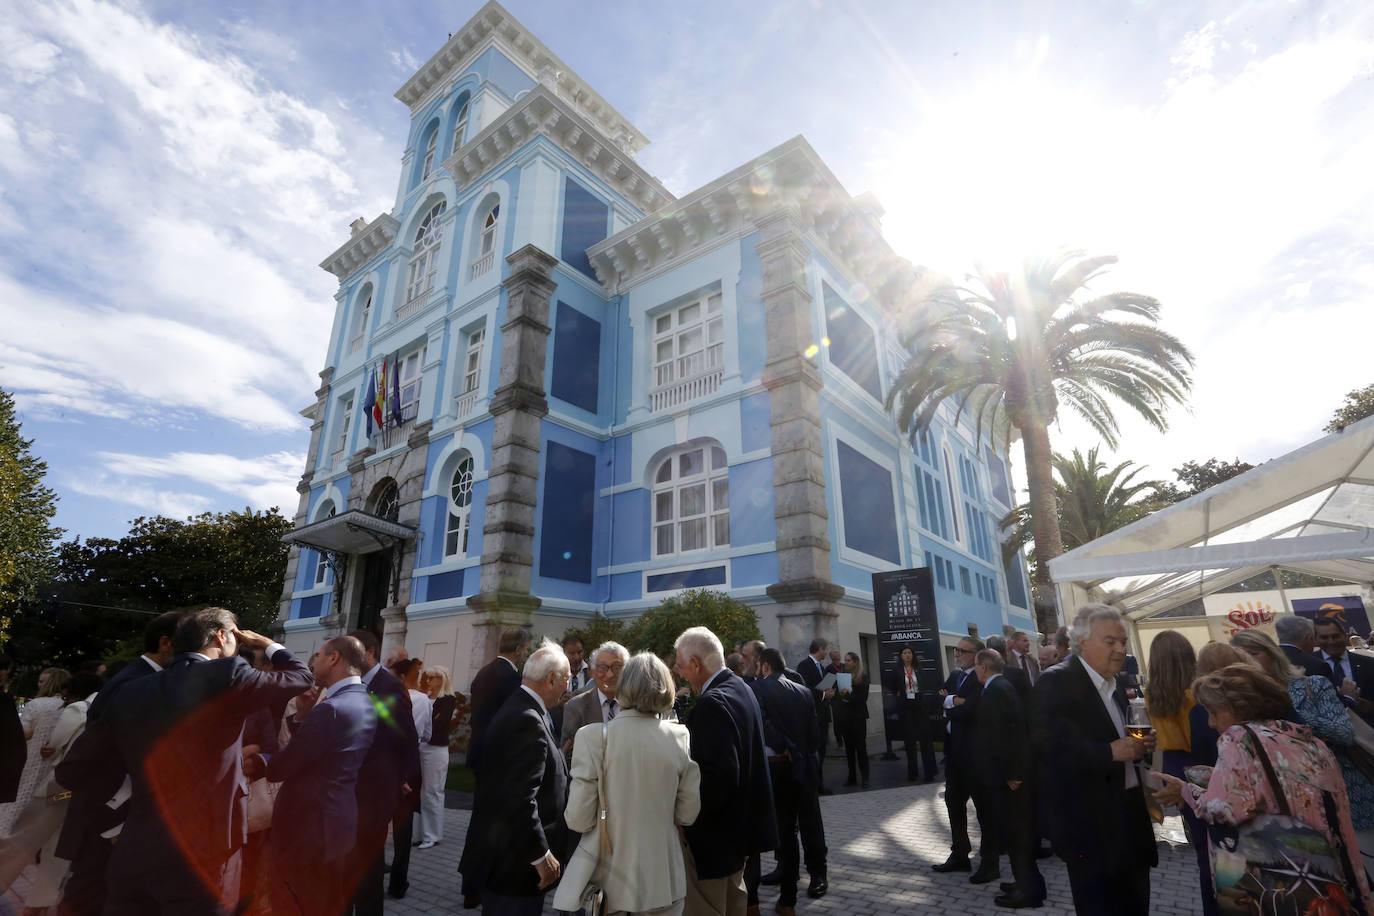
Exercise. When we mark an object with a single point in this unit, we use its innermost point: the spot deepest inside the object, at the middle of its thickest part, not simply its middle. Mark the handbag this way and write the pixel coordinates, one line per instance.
(1276, 863)
(593, 899)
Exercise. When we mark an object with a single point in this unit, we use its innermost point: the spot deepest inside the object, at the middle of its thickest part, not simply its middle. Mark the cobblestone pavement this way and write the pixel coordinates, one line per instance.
(882, 844)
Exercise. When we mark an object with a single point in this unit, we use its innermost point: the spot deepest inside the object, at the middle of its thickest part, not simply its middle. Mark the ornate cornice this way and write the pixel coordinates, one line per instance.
(493, 25)
(365, 244)
(541, 112)
(793, 178)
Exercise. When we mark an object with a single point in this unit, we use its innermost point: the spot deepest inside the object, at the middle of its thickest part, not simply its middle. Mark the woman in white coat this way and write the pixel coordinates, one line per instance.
(652, 786)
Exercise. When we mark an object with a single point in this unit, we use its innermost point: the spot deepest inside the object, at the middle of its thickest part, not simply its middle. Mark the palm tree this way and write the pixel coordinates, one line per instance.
(1012, 349)
(1093, 500)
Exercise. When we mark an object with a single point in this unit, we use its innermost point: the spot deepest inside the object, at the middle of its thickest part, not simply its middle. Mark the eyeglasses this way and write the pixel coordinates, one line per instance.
(602, 669)
(964, 651)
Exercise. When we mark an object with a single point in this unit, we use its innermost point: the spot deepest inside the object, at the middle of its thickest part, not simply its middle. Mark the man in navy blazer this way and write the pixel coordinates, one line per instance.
(959, 696)
(1099, 823)
(93, 811)
(315, 816)
(389, 779)
(179, 734)
(737, 818)
(496, 681)
(518, 839)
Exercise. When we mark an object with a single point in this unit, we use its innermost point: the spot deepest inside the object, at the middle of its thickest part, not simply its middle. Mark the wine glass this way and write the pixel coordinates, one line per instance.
(1138, 723)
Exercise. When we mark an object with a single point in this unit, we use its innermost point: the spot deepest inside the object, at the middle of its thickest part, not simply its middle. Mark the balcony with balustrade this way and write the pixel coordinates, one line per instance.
(687, 378)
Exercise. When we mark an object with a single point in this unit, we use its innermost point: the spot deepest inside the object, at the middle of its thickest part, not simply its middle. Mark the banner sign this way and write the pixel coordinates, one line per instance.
(904, 605)
(1348, 609)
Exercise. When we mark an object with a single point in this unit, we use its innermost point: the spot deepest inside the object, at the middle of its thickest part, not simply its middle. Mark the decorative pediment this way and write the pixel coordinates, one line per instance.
(540, 111)
(494, 26)
(367, 241)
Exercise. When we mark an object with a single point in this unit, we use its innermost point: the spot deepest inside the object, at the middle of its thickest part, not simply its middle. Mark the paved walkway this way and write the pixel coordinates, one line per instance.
(882, 843)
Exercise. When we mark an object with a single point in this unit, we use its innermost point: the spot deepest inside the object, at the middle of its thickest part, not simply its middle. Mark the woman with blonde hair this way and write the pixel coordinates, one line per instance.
(643, 769)
(851, 711)
(1317, 705)
(437, 684)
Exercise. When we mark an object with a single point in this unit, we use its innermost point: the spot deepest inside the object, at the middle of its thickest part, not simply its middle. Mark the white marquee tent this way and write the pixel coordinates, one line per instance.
(1311, 511)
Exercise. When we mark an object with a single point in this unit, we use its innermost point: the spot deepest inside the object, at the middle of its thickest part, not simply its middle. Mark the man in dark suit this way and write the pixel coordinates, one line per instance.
(388, 782)
(517, 837)
(94, 815)
(813, 670)
(791, 734)
(959, 696)
(1099, 824)
(13, 751)
(1015, 676)
(1001, 755)
(496, 681)
(179, 735)
(1352, 674)
(1298, 640)
(315, 815)
(1022, 656)
(737, 818)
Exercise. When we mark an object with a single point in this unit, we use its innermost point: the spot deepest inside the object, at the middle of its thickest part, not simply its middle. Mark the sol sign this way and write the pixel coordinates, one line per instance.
(1246, 616)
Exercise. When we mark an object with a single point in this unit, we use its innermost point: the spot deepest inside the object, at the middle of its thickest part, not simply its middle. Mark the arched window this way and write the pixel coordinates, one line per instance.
(691, 501)
(424, 258)
(430, 149)
(459, 510)
(461, 125)
(364, 315)
(486, 248)
(388, 502)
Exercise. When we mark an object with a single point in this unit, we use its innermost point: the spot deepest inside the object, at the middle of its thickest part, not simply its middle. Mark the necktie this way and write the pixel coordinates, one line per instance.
(610, 709)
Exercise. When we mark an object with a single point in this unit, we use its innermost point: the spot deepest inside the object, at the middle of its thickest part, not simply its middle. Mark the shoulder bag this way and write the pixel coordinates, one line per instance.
(1277, 863)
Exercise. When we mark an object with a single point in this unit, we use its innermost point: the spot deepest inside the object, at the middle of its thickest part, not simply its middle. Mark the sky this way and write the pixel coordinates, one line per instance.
(171, 175)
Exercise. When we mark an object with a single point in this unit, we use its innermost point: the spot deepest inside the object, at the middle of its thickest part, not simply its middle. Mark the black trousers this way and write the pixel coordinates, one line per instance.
(84, 892)
(824, 723)
(916, 729)
(402, 834)
(1125, 892)
(856, 746)
(1007, 819)
(798, 806)
(960, 789)
(367, 865)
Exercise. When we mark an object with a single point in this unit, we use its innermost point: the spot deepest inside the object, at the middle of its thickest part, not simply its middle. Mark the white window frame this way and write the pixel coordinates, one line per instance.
(687, 345)
(472, 360)
(665, 503)
(430, 149)
(321, 566)
(410, 378)
(424, 256)
(456, 529)
(461, 125)
(485, 257)
(345, 423)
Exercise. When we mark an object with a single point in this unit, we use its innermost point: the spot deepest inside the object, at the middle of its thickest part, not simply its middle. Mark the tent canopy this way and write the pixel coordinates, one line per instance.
(1311, 511)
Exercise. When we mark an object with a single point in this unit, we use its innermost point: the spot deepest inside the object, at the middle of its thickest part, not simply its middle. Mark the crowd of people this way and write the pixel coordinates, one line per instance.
(219, 774)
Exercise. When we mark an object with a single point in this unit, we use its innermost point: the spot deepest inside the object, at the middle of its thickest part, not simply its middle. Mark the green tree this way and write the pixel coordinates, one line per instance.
(1012, 349)
(1193, 478)
(105, 589)
(27, 535)
(1092, 500)
(1358, 405)
(658, 628)
(599, 629)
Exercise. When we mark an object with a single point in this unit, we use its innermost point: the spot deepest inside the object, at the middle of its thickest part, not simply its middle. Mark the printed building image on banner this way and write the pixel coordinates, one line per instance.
(1349, 609)
(904, 608)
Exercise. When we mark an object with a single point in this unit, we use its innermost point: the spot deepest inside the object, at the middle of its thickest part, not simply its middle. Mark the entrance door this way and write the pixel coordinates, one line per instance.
(372, 598)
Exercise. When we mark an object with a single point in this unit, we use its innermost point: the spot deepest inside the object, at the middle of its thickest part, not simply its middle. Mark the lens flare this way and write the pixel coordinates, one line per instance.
(811, 351)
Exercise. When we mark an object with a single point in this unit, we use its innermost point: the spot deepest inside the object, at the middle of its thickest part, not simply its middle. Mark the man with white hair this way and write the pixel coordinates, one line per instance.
(1099, 824)
(1298, 640)
(517, 837)
(598, 705)
(737, 819)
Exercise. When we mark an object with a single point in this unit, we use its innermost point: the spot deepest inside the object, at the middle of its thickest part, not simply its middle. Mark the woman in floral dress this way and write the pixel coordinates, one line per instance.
(1247, 706)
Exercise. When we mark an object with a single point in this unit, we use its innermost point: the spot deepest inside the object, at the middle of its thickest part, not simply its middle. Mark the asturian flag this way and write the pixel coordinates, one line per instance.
(370, 404)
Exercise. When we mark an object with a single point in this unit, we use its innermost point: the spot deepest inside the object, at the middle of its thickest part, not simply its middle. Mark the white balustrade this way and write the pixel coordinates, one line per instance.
(689, 389)
(483, 264)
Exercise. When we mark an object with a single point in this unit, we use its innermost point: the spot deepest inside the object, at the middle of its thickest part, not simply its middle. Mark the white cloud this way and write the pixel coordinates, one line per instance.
(260, 482)
(149, 500)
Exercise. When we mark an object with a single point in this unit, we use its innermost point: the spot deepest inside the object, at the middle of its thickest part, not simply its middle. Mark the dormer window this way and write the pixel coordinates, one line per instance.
(486, 248)
(424, 259)
(461, 125)
(430, 148)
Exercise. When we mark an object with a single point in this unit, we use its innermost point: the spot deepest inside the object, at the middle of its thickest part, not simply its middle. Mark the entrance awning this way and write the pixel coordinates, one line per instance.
(351, 532)
(1311, 511)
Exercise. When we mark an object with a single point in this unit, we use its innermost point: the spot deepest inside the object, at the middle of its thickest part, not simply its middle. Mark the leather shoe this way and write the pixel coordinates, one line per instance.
(817, 888)
(752, 910)
(985, 875)
(773, 877)
(785, 910)
(1018, 901)
(1008, 887)
(398, 893)
(473, 901)
(953, 863)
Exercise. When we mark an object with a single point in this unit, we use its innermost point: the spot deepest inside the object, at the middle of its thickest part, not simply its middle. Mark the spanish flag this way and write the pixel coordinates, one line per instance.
(379, 406)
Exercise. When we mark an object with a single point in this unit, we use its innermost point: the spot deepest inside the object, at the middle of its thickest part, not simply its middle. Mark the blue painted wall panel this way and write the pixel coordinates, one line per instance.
(753, 335)
(507, 75)
(866, 493)
(853, 349)
(566, 522)
(586, 220)
(576, 358)
(751, 503)
(621, 468)
(631, 511)
(757, 569)
(312, 606)
(626, 586)
(754, 416)
(704, 577)
(445, 585)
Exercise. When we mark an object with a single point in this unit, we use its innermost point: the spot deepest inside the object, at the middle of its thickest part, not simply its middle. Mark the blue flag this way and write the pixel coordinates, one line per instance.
(370, 400)
(396, 396)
